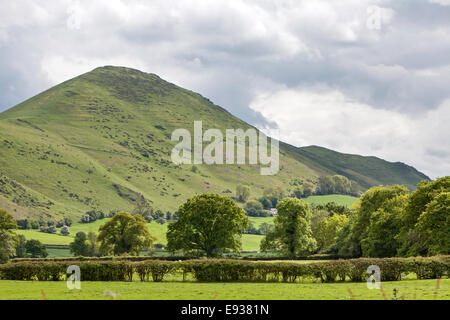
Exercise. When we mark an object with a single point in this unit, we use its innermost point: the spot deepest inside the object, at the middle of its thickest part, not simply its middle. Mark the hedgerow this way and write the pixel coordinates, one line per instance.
(226, 270)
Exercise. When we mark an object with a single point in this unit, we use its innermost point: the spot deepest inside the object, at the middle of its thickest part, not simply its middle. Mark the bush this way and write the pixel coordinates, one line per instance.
(226, 270)
(157, 269)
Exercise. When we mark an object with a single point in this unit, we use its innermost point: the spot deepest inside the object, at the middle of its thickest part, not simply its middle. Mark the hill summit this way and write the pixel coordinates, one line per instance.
(103, 141)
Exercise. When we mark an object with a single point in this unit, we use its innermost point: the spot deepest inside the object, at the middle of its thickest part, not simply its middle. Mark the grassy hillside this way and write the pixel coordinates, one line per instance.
(102, 141)
(367, 171)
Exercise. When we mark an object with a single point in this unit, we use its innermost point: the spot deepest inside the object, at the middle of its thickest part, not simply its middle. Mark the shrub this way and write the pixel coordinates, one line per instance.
(157, 269)
(225, 270)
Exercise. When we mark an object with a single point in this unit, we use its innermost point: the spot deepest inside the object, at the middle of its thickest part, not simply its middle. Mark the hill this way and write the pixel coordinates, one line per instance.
(103, 141)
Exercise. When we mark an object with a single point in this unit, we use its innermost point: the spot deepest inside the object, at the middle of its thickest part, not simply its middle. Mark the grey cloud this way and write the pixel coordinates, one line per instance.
(229, 51)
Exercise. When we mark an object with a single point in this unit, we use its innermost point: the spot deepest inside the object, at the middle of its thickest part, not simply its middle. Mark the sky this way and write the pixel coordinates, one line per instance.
(356, 76)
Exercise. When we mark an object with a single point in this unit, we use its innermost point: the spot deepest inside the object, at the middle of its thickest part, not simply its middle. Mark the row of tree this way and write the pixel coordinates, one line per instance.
(388, 221)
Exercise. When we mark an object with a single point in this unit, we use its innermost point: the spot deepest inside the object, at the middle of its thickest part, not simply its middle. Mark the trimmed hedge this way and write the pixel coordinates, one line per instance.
(225, 270)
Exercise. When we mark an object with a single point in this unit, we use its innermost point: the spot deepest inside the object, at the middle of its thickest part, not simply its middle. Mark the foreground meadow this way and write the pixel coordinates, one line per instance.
(57, 290)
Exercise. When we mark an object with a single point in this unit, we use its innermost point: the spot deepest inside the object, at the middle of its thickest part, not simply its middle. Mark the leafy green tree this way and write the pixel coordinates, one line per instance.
(412, 241)
(336, 184)
(386, 198)
(125, 234)
(292, 233)
(433, 225)
(93, 247)
(326, 185)
(7, 221)
(318, 222)
(266, 202)
(254, 208)
(328, 231)
(65, 230)
(376, 223)
(264, 228)
(381, 240)
(35, 249)
(79, 247)
(308, 189)
(206, 224)
(242, 193)
(347, 245)
(298, 192)
(7, 244)
(274, 194)
(21, 250)
(8, 238)
(143, 208)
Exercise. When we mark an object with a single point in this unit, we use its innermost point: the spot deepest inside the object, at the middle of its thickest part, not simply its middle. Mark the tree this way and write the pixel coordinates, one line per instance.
(143, 208)
(333, 226)
(79, 247)
(266, 202)
(7, 221)
(336, 184)
(264, 228)
(327, 230)
(377, 220)
(412, 241)
(125, 234)
(254, 208)
(65, 231)
(308, 189)
(35, 249)
(206, 224)
(21, 250)
(299, 192)
(381, 240)
(274, 194)
(242, 193)
(8, 238)
(93, 248)
(292, 233)
(434, 225)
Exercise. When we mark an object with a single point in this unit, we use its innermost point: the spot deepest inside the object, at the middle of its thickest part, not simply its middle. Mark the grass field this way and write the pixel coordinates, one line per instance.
(338, 198)
(411, 289)
(249, 242)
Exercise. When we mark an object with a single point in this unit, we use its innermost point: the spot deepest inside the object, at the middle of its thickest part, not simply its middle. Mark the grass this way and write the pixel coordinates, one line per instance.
(250, 242)
(102, 140)
(36, 290)
(338, 198)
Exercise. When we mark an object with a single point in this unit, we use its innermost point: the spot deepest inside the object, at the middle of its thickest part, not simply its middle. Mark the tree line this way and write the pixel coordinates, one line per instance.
(385, 222)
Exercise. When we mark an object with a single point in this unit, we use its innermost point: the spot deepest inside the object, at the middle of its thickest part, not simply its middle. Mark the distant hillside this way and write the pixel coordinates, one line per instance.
(367, 171)
(102, 140)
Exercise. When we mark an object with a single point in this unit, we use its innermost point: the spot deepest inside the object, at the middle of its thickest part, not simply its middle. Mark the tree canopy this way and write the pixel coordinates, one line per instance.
(8, 238)
(125, 234)
(207, 223)
(292, 233)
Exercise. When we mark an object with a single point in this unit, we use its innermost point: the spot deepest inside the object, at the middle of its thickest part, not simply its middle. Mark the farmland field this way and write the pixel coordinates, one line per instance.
(338, 198)
(249, 242)
(37, 290)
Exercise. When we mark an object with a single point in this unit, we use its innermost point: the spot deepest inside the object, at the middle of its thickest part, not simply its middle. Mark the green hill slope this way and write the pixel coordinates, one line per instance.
(102, 140)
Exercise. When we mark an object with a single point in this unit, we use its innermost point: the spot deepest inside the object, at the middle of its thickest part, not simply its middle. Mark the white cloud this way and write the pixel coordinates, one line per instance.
(230, 51)
(441, 2)
(326, 117)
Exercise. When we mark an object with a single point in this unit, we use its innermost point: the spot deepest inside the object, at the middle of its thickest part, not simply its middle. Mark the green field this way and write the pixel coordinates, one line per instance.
(338, 198)
(411, 289)
(250, 242)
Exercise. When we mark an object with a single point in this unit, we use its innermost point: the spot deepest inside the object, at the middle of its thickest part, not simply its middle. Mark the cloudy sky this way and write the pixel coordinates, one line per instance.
(366, 77)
